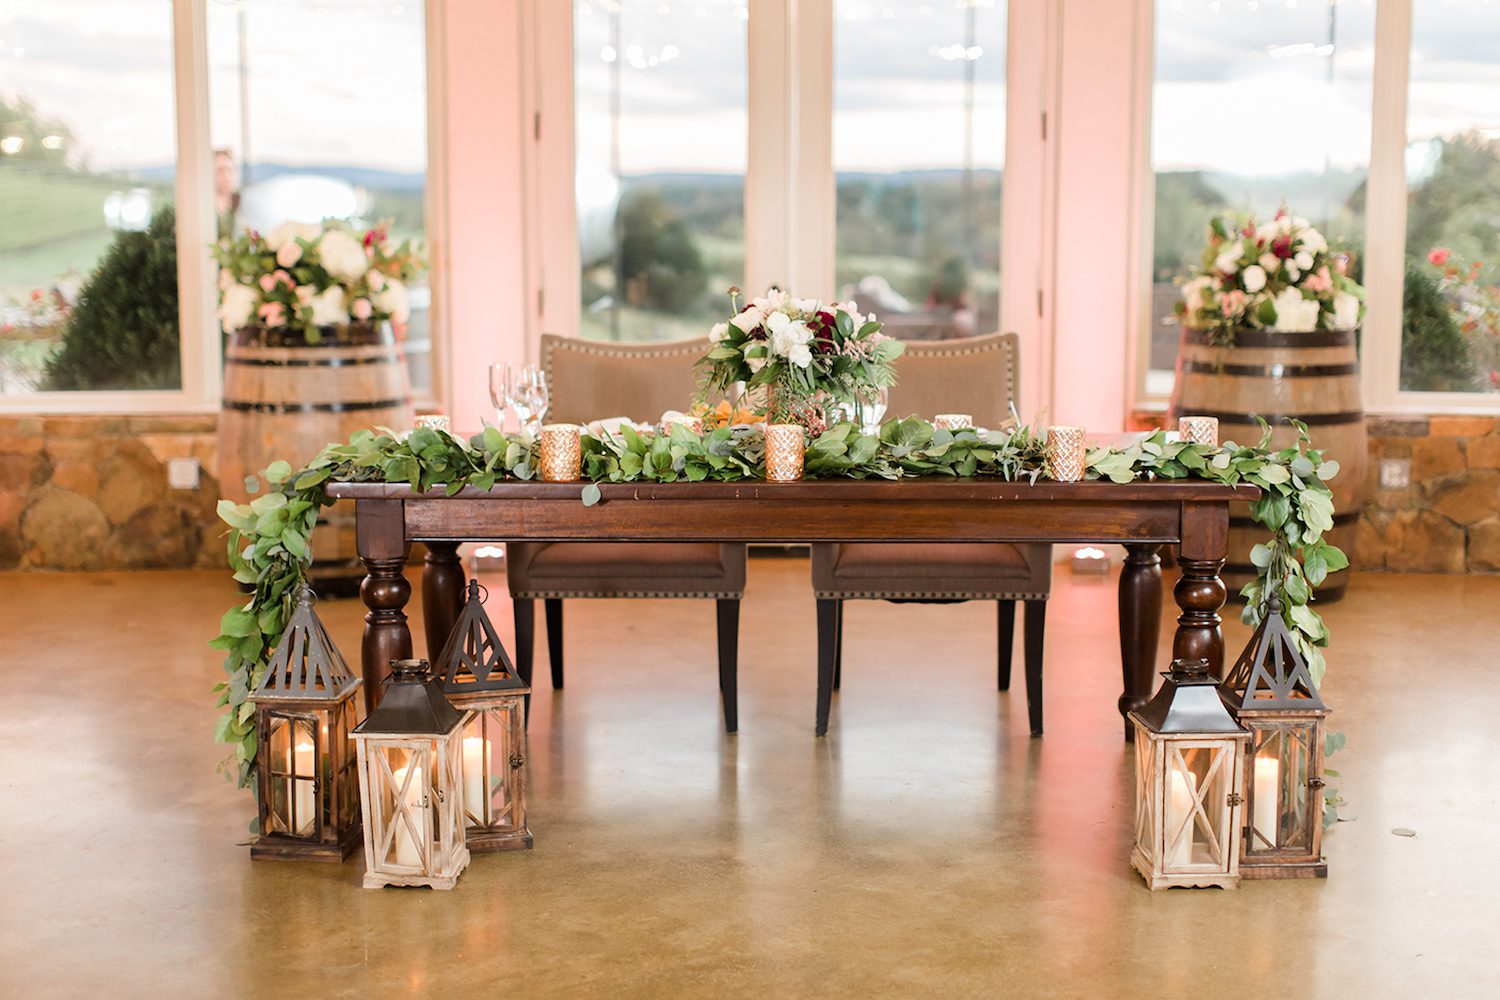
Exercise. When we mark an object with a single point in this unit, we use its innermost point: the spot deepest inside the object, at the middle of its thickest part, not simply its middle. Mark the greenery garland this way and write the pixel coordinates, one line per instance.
(268, 537)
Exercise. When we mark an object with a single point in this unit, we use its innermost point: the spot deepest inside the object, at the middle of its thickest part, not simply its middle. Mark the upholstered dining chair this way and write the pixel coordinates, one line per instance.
(590, 380)
(975, 375)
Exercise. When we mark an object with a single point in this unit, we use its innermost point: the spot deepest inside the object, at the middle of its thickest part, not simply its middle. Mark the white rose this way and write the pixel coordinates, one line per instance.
(290, 232)
(805, 305)
(1192, 293)
(1304, 260)
(799, 332)
(1269, 262)
(1294, 314)
(1254, 278)
(1228, 260)
(1345, 311)
(342, 256)
(718, 332)
(236, 306)
(1293, 272)
(1314, 241)
(748, 320)
(756, 364)
(304, 294)
(329, 308)
(392, 301)
(774, 299)
(800, 355)
(375, 280)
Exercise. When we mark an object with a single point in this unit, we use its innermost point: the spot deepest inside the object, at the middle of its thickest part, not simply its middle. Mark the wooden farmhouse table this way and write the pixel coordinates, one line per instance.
(1143, 516)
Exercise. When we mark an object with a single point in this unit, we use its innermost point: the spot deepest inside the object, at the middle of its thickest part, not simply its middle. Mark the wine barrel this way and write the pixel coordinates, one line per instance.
(286, 399)
(1313, 377)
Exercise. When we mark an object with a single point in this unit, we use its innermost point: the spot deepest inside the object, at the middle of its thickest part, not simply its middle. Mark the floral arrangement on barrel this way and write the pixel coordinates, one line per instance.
(1473, 294)
(1278, 276)
(305, 279)
(811, 359)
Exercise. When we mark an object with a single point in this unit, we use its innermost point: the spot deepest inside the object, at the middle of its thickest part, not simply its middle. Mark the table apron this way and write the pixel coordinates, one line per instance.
(791, 520)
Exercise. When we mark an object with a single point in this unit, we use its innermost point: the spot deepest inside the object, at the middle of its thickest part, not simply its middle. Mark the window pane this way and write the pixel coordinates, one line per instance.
(320, 110)
(919, 147)
(1257, 103)
(1451, 333)
(661, 129)
(87, 161)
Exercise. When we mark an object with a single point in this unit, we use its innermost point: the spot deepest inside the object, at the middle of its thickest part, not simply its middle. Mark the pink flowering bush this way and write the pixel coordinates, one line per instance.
(1473, 294)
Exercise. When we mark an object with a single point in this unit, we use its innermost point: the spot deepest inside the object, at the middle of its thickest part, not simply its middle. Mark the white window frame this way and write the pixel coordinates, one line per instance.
(1385, 226)
(790, 200)
(200, 339)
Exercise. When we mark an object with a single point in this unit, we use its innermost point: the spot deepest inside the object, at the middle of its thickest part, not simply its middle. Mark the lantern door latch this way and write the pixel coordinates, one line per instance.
(1315, 782)
(1234, 799)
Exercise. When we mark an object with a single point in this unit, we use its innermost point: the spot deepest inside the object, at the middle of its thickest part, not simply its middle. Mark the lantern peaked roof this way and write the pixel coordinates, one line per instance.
(413, 705)
(1271, 675)
(473, 658)
(1188, 702)
(306, 665)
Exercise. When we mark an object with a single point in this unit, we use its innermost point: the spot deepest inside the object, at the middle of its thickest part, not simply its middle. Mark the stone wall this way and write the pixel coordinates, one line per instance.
(91, 492)
(1446, 517)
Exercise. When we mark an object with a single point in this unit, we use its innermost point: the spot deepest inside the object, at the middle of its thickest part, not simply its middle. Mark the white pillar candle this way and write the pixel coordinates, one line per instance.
(407, 850)
(476, 752)
(300, 789)
(1267, 792)
(1181, 801)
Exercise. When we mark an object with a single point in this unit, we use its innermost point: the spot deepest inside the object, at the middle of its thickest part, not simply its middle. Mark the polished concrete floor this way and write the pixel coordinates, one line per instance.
(927, 847)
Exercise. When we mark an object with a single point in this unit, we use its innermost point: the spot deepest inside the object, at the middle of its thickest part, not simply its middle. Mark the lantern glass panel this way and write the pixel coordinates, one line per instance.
(278, 815)
(402, 806)
(1280, 806)
(1145, 815)
(1199, 781)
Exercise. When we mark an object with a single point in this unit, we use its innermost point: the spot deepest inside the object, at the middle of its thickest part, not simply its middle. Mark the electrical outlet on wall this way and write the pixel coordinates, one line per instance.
(182, 473)
(1395, 473)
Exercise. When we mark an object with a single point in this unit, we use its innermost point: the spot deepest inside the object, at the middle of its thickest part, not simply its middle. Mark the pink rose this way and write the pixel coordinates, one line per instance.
(289, 254)
(273, 314)
(1341, 263)
(1232, 302)
(1318, 281)
(267, 282)
(361, 309)
(1439, 257)
(282, 278)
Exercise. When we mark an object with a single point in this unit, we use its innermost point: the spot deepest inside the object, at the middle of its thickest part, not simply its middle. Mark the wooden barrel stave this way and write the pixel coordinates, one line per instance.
(1313, 377)
(286, 401)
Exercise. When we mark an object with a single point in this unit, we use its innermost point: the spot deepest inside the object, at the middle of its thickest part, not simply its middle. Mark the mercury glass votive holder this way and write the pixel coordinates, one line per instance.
(434, 422)
(1199, 430)
(953, 421)
(1066, 453)
(783, 453)
(560, 459)
(694, 424)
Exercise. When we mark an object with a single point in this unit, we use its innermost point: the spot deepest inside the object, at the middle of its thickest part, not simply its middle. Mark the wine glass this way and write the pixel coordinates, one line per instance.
(529, 398)
(502, 384)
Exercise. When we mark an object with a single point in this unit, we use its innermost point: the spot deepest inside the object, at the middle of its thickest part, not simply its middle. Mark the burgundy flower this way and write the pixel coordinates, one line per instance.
(1282, 247)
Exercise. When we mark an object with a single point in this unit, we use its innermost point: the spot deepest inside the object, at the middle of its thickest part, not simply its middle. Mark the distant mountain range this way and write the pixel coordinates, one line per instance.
(369, 177)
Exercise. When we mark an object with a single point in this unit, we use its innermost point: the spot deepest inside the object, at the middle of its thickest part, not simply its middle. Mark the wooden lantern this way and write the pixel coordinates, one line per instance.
(304, 710)
(478, 677)
(1190, 757)
(1272, 694)
(411, 783)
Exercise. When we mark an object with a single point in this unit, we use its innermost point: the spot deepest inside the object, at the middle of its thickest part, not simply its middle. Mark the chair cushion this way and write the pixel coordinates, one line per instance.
(863, 560)
(946, 571)
(625, 569)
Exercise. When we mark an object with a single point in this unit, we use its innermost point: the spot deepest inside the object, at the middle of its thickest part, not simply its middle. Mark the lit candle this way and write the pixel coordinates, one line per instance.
(476, 752)
(1267, 792)
(300, 789)
(1182, 800)
(407, 850)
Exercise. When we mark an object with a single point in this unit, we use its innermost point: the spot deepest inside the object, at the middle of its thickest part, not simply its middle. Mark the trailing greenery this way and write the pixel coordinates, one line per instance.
(268, 537)
(123, 334)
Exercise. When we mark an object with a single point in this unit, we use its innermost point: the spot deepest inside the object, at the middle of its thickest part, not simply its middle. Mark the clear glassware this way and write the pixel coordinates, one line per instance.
(529, 398)
(502, 385)
(869, 408)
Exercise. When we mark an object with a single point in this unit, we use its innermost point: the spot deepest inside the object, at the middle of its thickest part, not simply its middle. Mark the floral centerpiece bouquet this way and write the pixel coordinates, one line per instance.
(810, 358)
(302, 279)
(1279, 276)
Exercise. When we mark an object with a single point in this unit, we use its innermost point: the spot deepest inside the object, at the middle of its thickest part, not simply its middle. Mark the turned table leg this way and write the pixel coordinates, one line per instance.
(381, 534)
(1199, 591)
(442, 594)
(1140, 618)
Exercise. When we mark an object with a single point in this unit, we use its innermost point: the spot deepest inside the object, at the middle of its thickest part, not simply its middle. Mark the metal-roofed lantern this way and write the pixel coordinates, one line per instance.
(478, 677)
(304, 711)
(1189, 759)
(411, 783)
(1271, 692)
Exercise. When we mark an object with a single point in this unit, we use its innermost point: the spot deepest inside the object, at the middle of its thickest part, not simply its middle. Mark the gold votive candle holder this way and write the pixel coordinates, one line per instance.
(560, 459)
(1066, 453)
(1199, 430)
(953, 421)
(783, 453)
(434, 422)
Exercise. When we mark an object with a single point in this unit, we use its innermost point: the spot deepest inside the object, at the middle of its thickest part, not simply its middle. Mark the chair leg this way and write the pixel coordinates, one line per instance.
(525, 610)
(838, 647)
(554, 608)
(729, 661)
(1036, 628)
(828, 614)
(1007, 621)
